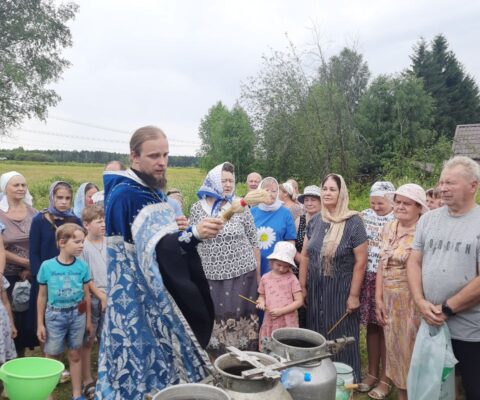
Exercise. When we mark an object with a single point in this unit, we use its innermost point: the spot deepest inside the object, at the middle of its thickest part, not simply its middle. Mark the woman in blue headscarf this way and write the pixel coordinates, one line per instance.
(42, 244)
(83, 197)
(231, 262)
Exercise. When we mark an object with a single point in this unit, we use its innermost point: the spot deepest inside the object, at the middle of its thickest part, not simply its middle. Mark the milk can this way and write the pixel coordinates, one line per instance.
(189, 391)
(229, 377)
(294, 344)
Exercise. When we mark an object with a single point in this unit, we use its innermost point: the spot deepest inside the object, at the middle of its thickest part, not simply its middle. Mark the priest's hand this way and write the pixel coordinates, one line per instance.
(209, 227)
(182, 222)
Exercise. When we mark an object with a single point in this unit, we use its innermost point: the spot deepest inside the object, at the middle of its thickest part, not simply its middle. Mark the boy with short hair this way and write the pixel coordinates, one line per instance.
(63, 302)
(95, 255)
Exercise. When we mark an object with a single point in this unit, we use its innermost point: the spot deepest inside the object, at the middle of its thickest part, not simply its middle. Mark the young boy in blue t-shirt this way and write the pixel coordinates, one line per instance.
(63, 303)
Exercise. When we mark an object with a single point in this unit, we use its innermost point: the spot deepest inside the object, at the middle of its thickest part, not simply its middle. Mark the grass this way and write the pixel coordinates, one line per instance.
(39, 177)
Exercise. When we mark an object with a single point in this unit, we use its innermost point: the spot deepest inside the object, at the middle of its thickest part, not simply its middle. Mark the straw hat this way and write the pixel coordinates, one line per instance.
(284, 251)
(311, 190)
(413, 192)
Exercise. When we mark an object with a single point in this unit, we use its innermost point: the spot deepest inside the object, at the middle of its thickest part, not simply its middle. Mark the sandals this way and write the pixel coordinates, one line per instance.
(365, 387)
(378, 394)
(65, 377)
(89, 390)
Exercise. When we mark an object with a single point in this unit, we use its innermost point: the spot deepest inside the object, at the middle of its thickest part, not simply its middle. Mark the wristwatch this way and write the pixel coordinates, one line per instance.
(447, 310)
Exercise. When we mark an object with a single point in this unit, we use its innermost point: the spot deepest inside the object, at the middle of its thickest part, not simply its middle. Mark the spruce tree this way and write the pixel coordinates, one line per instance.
(456, 93)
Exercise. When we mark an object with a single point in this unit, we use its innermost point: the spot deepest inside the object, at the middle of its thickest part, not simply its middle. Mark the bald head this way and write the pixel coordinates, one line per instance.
(115, 165)
(253, 180)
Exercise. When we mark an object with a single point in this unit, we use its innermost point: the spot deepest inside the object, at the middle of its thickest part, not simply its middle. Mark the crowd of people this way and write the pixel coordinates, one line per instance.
(164, 294)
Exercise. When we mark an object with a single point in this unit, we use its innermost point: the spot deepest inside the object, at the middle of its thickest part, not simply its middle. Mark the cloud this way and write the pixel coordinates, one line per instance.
(167, 62)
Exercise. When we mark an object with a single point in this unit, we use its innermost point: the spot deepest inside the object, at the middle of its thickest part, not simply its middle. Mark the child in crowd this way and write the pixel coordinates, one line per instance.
(280, 292)
(63, 303)
(434, 200)
(42, 242)
(95, 256)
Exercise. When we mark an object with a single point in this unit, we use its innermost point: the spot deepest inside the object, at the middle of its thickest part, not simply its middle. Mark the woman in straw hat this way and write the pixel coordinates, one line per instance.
(310, 199)
(334, 257)
(395, 307)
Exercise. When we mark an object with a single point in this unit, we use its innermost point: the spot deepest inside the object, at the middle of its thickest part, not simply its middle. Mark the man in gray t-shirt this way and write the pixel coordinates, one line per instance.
(443, 268)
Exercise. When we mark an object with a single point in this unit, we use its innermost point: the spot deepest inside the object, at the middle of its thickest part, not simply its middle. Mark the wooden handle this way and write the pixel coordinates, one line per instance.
(247, 299)
(338, 323)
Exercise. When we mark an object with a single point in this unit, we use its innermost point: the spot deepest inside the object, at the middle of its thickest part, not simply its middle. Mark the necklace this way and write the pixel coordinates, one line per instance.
(100, 250)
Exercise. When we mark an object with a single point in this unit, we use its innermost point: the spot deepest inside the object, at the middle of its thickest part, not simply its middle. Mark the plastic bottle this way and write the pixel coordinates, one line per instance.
(294, 377)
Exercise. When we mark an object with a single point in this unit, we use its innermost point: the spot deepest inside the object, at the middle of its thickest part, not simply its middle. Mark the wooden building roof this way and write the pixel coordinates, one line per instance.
(467, 141)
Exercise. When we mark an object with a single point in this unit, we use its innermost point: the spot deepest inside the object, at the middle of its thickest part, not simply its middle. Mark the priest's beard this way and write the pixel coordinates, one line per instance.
(156, 183)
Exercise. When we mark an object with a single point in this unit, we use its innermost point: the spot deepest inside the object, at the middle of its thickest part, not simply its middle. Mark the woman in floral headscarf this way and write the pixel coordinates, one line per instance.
(374, 218)
(334, 257)
(230, 262)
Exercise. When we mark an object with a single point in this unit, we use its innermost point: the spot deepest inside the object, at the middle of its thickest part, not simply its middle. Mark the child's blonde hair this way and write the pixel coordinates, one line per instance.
(67, 231)
(92, 212)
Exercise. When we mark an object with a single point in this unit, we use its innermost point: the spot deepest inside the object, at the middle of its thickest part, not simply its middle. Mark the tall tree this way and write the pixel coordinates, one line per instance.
(456, 94)
(227, 136)
(304, 122)
(273, 99)
(32, 35)
(346, 77)
(395, 116)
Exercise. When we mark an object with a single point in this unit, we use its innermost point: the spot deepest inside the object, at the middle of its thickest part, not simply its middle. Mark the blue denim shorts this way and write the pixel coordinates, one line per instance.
(64, 326)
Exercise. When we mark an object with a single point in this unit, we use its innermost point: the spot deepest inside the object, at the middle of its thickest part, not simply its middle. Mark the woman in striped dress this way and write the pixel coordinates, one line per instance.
(334, 258)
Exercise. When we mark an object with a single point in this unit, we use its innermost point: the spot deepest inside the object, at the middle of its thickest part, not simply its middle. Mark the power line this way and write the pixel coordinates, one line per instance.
(91, 125)
(58, 146)
(82, 137)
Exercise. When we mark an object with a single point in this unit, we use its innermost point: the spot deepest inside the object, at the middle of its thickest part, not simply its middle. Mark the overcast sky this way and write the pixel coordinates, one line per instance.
(167, 62)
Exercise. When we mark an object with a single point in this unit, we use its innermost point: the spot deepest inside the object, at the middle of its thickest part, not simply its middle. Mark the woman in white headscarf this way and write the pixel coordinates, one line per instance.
(16, 214)
(334, 257)
(230, 262)
(274, 222)
(287, 196)
(83, 197)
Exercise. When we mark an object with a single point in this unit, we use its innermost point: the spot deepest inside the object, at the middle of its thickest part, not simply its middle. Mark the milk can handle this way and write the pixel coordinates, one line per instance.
(267, 345)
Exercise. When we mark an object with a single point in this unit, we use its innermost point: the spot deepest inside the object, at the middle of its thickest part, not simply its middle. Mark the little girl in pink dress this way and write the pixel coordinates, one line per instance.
(280, 292)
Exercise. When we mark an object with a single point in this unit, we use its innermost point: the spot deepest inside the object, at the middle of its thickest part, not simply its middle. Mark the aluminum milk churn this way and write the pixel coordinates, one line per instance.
(294, 344)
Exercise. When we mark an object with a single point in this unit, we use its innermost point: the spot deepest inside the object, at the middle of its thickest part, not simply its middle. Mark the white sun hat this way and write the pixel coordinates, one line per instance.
(284, 251)
(311, 190)
(413, 192)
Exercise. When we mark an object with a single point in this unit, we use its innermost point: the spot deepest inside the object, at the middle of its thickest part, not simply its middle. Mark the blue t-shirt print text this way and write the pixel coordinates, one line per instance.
(64, 282)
